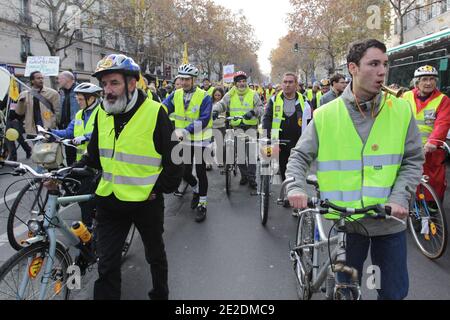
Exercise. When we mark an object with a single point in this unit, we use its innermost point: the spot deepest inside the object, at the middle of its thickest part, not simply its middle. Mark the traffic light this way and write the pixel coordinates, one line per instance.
(296, 48)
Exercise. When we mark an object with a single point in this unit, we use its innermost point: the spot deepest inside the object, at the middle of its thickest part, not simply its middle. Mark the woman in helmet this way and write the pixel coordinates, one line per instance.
(80, 129)
(191, 109)
(432, 112)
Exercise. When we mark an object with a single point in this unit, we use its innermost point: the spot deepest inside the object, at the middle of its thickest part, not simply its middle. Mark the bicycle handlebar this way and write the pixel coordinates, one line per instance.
(324, 206)
(61, 174)
(235, 118)
(41, 136)
(274, 141)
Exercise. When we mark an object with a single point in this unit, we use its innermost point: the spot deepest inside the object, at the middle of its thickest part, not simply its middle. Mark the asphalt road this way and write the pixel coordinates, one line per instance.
(231, 256)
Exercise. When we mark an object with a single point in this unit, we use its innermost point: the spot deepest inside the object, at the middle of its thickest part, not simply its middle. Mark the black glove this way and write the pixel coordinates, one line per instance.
(215, 115)
(249, 115)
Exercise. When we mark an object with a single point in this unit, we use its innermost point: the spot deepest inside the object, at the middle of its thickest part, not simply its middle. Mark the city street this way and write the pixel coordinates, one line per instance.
(231, 256)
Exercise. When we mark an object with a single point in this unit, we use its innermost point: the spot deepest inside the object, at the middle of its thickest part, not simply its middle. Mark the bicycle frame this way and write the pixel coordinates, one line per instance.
(52, 220)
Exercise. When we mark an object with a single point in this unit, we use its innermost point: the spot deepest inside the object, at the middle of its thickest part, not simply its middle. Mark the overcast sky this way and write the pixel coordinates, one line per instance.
(269, 20)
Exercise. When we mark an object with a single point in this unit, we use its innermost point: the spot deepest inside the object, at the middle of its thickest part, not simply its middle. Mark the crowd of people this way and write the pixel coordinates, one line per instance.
(370, 147)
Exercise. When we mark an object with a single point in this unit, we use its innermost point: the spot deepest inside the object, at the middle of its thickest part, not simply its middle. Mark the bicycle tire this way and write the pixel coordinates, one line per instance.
(128, 241)
(34, 251)
(305, 235)
(228, 178)
(17, 224)
(439, 224)
(264, 199)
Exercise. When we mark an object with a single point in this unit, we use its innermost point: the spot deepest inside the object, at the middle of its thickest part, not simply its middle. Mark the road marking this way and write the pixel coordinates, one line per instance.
(9, 198)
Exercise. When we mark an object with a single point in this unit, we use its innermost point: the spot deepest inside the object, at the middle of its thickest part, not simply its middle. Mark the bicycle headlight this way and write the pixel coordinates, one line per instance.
(34, 226)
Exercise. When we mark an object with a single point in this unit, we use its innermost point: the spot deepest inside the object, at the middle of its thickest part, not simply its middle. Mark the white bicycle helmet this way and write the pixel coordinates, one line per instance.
(88, 88)
(187, 71)
(426, 71)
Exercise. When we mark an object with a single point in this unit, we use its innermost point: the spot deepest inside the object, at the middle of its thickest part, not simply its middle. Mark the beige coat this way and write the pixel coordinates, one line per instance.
(25, 107)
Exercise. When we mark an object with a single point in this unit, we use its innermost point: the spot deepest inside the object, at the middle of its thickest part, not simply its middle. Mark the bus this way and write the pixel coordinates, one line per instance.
(431, 50)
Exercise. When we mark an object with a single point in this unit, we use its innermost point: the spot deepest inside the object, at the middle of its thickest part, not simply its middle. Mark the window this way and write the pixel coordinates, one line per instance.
(402, 61)
(117, 41)
(25, 45)
(435, 9)
(405, 22)
(25, 48)
(432, 54)
(445, 5)
(51, 24)
(102, 40)
(79, 64)
(24, 15)
(25, 7)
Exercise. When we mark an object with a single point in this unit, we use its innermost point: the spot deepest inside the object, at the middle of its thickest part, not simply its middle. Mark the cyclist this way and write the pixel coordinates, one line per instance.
(242, 101)
(269, 93)
(80, 130)
(286, 117)
(314, 95)
(131, 143)
(368, 151)
(324, 86)
(191, 108)
(208, 87)
(432, 111)
(338, 86)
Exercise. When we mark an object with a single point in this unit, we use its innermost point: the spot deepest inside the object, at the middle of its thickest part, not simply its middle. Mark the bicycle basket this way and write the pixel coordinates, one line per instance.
(48, 155)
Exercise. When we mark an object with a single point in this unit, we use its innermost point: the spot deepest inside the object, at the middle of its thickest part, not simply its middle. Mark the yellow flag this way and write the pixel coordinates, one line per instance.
(141, 83)
(13, 90)
(185, 54)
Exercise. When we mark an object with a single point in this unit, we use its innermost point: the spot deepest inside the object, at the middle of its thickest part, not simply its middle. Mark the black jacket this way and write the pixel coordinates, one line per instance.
(171, 175)
(290, 127)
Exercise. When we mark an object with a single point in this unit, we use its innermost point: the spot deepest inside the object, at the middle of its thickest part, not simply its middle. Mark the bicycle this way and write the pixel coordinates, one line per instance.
(265, 172)
(311, 238)
(32, 198)
(231, 151)
(427, 221)
(22, 272)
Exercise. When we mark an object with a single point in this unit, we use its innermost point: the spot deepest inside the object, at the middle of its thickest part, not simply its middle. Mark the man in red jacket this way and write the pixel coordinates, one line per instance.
(432, 112)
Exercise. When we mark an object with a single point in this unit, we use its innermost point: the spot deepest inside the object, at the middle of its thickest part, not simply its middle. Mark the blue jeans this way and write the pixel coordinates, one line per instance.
(389, 254)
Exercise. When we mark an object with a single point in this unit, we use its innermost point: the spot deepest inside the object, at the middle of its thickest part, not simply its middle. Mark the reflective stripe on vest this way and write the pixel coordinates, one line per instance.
(239, 108)
(425, 118)
(80, 130)
(354, 175)
(278, 114)
(131, 165)
(183, 118)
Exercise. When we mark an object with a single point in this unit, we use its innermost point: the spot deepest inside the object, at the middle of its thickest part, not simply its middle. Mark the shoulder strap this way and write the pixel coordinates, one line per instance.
(43, 100)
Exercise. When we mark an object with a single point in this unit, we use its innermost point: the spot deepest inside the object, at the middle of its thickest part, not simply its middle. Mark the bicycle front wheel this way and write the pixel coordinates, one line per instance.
(428, 224)
(23, 275)
(303, 258)
(264, 199)
(228, 169)
(29, 204)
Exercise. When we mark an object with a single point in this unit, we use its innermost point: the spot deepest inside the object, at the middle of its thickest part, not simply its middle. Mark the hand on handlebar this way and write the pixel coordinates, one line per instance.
(181, 134)
(398, 211)
(298, 201)
(79, 140)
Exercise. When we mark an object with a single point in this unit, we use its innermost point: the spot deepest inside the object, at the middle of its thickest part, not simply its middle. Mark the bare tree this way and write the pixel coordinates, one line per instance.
(403, 7)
